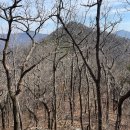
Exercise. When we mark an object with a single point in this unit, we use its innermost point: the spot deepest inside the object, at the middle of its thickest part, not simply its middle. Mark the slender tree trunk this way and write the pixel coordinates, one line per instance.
(7, 111)
(107, 110)
(99, 106)
(3, 118)
(54, 93)
(71, 110)
(80, 101)
(89, 111)
(95, 104)
(71, 95)
(98, 80)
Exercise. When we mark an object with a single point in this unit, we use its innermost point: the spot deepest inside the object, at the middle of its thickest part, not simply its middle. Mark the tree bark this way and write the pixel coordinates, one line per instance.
(98, 80)
(17, 124)
(3, 118)
(80, 100)
(119, 109)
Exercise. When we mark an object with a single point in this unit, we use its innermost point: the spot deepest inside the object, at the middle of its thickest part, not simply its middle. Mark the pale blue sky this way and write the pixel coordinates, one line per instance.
(118, 9)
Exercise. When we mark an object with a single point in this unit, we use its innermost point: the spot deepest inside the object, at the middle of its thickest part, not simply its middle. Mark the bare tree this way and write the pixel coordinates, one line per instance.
(13, 17)
(96, 77)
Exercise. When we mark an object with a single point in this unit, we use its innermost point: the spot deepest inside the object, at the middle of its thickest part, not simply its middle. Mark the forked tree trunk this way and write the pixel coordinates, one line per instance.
(48, 115)
(16, 115)
(119, 110)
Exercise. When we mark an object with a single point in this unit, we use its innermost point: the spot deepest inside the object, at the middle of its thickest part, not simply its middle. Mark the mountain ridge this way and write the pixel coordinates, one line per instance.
(22, 38)
(123, 33)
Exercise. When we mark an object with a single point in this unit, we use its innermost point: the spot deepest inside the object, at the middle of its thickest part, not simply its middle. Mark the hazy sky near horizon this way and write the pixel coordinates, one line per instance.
(118, 9)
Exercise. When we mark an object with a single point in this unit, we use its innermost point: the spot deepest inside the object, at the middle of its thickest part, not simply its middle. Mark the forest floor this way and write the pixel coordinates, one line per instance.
(65, 124)
(64, 120)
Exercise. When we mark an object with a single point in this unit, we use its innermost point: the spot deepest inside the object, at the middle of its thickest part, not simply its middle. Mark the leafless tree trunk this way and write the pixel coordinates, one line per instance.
(71, 94)
(88, 98)
(2, 116)
(119, 109)
(80, 96)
